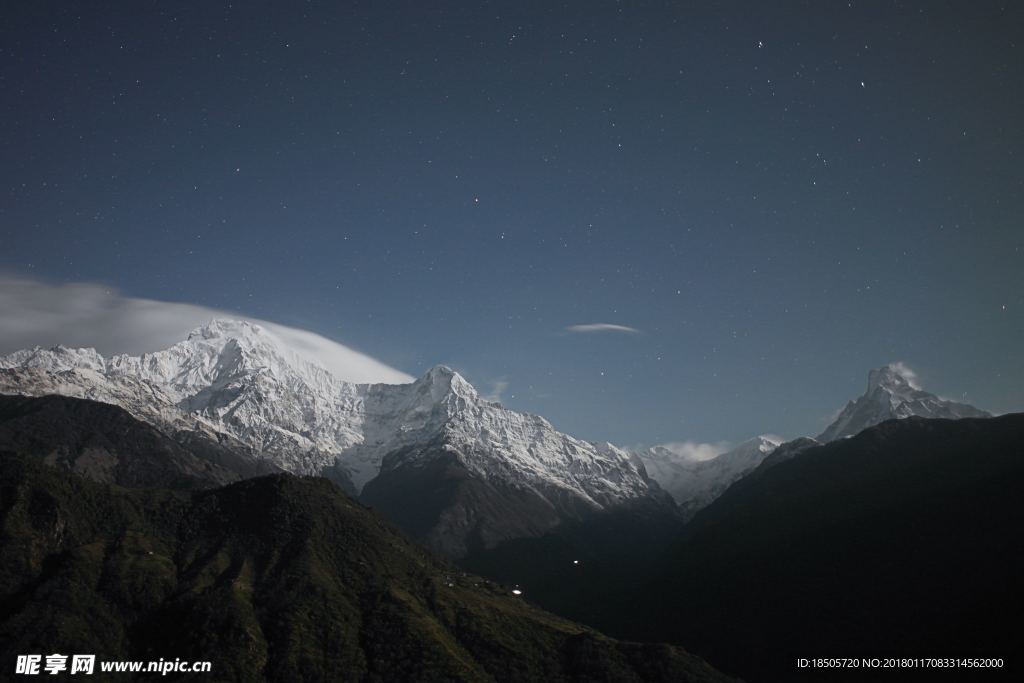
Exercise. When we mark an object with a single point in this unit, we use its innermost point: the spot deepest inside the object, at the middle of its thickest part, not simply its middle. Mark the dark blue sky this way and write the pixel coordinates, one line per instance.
(779, 196)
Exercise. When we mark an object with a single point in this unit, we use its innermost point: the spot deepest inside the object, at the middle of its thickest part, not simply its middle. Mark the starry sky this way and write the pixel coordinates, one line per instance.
(646, 221)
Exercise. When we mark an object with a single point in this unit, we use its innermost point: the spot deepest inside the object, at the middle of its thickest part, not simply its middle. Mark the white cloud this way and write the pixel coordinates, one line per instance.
(498, 388)
(83, 314)
(904, 371)
(695, 451)
(602, 327)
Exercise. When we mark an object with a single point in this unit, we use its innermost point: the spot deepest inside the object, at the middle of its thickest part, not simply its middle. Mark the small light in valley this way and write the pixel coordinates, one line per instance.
(516, 591)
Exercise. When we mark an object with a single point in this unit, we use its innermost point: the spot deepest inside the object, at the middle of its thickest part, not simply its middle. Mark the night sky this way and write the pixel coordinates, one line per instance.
(775, 196)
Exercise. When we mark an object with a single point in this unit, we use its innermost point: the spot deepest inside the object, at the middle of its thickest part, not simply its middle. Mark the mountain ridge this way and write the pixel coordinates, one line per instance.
(695, 482)
(892, 392)
(235, 383)
(895, 541)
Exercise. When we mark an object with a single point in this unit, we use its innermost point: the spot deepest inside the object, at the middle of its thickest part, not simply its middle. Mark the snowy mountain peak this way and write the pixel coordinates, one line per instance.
(893, 392)
(225, 327)
(694, 475)
(221, 353)
(894, 378)
(442, 380)
(239, 380)
(441, 372)
(59, 358)
(765, 443)
(243, 341)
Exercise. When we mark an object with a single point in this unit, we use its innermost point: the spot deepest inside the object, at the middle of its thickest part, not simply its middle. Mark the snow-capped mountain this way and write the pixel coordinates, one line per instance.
(236, 381)
(696, 480)
(893, 393)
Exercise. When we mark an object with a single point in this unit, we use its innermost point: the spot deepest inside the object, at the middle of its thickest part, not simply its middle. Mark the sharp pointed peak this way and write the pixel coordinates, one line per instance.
(440, 371)
(891, 376)
(893, 392)
(444, 378)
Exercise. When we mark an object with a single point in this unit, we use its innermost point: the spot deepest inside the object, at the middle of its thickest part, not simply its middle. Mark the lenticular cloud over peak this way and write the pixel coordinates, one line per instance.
(83, 314)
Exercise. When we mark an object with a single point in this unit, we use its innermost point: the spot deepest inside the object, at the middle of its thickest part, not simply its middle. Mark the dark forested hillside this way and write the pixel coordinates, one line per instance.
(104, 442)
(902, 541)
(274, 578)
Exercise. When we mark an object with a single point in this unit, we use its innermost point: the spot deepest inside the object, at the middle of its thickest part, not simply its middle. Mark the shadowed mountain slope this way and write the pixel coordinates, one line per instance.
(105, 443)
(901, 541)
(274, 578)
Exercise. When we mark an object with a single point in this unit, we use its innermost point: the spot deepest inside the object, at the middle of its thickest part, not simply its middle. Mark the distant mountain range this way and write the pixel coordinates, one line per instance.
(133, 494)
(892, 393)
(458, 469)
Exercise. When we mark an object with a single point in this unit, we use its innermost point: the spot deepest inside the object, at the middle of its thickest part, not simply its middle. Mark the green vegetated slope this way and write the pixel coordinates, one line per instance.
(274, 578)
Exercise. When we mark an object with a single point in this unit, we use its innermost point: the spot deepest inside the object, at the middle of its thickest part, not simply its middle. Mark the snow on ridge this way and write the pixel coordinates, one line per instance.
(241, 379)
(695, 477)
(893, 392)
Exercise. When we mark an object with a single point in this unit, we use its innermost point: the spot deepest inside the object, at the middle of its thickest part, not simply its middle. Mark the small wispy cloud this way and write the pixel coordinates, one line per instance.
(498, 389)
(601, 327)
(694, 451)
